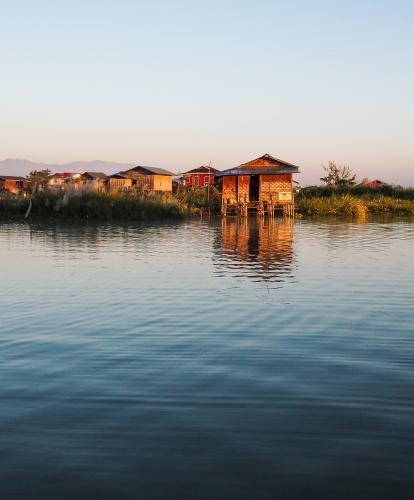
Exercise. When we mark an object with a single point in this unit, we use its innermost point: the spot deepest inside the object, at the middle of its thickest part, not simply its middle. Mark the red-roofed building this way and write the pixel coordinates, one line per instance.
(58, 180)
(199, 177)
(375, 184)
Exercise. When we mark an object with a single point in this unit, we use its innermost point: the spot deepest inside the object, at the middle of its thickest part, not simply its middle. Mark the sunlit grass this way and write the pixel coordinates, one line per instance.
(346, 204)
(93, 205)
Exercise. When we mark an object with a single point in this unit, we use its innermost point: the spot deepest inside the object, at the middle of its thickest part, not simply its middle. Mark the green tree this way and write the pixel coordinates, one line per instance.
(39, 179)
(338, 176)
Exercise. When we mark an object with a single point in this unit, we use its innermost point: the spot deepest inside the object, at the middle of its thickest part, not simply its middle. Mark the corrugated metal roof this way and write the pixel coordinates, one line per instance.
(202, 170)
(264, 165)
(96, 175)
(149, 170)
(258, 171)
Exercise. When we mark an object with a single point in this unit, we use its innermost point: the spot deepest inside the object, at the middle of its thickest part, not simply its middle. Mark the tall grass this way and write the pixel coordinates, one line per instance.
(346, 204)
(94, 205)
(201, 198)
(398, 192)
(334, 205)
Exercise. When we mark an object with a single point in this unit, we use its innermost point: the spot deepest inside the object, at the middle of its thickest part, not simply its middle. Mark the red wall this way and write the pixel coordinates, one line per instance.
(203, 180)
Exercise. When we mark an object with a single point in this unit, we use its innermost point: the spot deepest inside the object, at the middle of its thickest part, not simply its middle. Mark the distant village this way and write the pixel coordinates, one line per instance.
(262, 184)
(255, 180)
(137, 179)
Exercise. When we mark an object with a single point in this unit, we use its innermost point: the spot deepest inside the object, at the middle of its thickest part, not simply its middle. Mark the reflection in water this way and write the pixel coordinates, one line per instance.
(257, 248)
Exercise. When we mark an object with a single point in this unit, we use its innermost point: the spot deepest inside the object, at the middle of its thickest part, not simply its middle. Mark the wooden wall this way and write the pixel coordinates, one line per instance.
(243, 184)
(162, 183)
(119, 185)
(230, 188)
(143, 183)
(276, 187)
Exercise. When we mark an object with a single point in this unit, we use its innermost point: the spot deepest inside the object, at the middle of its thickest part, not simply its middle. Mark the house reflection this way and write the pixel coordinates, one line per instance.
(261, 249)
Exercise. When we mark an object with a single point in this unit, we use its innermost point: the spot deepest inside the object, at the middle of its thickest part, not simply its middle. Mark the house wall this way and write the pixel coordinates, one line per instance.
(162, 183)
(200, 180)
(276, 187)
(92, 184)
(230, 188)
(119, 185)
(272, 187)
(243, 187)
(144, 183)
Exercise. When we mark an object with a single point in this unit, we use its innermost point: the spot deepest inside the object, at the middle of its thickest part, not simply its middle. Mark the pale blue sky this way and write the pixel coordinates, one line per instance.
(176, 84)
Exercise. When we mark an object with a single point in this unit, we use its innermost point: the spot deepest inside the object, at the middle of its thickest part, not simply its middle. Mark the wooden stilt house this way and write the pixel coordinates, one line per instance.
(263, 184)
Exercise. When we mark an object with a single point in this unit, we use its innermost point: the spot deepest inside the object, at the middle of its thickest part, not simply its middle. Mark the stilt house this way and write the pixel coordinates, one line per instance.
(265, 180)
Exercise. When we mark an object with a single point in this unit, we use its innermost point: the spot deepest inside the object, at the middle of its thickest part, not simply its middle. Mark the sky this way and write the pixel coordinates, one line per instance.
(177, 84)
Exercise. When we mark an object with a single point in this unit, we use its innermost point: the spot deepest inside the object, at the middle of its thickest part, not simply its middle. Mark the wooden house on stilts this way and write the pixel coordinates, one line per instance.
(262, 185)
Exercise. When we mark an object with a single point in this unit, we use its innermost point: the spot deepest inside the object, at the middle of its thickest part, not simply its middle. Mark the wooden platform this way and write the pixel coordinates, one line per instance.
(258, 207)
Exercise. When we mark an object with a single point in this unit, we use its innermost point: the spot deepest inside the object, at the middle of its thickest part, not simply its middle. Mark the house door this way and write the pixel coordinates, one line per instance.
(254, 187)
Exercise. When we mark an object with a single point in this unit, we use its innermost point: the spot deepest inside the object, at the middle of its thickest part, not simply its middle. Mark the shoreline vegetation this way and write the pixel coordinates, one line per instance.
(310, 202)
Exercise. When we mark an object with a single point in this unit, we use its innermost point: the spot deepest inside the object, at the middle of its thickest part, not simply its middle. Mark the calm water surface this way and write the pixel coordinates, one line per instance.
(207, 360)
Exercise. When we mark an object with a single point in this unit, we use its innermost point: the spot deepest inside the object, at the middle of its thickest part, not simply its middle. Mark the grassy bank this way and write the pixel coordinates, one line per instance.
(309, 204)
(93, 205)
(102, 206)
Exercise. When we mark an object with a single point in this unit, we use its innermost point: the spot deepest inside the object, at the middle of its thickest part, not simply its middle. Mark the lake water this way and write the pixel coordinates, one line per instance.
(207, 359)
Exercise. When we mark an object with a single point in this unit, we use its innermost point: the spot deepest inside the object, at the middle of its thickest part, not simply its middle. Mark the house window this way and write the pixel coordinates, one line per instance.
(196, 180)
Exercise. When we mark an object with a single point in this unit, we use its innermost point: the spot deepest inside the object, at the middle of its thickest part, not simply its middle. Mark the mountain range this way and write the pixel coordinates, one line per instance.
(22, 167)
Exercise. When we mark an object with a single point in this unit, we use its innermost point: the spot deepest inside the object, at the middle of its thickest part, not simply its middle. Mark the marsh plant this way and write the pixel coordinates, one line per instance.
(347, 204)
(94, 205)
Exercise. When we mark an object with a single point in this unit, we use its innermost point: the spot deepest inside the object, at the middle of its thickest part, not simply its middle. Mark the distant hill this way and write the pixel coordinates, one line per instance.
(22, 167)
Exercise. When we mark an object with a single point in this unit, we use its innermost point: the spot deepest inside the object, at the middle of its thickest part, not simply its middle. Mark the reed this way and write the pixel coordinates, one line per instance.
(201, 199)
(359, 191)
(346, 204)
(93, 205)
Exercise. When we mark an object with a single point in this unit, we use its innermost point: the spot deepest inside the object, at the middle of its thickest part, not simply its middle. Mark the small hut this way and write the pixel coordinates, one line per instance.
(94, 181)
(263, 184)
(13, 184)
(142, 180)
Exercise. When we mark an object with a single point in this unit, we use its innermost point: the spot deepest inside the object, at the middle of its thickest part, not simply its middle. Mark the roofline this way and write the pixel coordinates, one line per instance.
(273, 158)
(165, 172)
(259, 171)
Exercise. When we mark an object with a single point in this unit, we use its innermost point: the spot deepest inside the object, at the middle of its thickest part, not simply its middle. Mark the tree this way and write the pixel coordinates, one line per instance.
(39, 179)
(338, 176)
